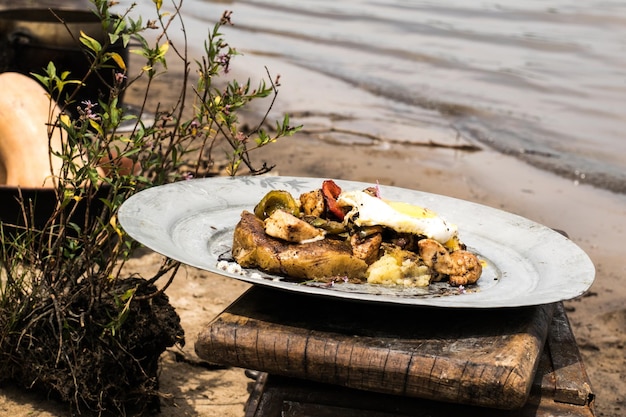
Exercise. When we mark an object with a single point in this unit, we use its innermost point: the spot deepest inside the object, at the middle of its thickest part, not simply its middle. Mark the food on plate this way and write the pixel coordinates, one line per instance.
(355, 236)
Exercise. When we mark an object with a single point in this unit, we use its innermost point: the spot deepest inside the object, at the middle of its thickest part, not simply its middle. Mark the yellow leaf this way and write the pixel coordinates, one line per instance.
(96, 126)
(118, 60)
(65, 119)
(113, 223)
(163, 49)
(69, 194)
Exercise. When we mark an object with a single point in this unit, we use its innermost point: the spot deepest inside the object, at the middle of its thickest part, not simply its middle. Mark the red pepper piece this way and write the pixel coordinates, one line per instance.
(331, 191)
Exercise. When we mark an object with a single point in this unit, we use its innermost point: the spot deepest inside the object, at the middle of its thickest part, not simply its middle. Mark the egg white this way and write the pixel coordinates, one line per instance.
(367, 210)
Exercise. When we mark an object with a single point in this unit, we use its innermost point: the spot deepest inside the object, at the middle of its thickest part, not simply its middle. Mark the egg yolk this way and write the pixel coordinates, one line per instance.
(412, 210)
(420, 212)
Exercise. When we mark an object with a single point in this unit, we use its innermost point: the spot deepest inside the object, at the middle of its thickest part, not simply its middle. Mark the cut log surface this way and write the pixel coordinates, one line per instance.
(485, 357)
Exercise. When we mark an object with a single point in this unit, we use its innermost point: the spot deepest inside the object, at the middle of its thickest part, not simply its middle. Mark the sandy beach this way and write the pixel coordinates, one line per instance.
(593, 219)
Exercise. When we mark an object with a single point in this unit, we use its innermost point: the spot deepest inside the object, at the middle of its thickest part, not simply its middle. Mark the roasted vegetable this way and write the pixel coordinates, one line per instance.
(331, 191)
(331, 227)
(274, 200)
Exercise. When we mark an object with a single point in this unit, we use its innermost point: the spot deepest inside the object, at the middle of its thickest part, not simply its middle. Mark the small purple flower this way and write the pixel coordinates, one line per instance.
(88, 110)
(241, 137)
(224, 61)
(88, 104)
(119, 78)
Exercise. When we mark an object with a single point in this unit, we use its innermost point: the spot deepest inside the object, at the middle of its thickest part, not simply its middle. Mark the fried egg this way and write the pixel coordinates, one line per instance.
(367, 210)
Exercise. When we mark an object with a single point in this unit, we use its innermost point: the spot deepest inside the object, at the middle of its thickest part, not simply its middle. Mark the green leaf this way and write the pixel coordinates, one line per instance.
(51, 69)
(125, 39)
(90, 42)
(113, 37)
(42, 79)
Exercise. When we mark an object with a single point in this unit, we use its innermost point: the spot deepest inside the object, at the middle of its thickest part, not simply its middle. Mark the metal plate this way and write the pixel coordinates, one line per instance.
(525, 263)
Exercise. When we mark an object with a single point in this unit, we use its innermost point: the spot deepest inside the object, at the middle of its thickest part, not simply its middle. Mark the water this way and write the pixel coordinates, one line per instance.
(542, 80)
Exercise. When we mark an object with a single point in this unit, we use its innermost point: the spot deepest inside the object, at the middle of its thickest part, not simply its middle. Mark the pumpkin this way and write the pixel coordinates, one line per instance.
(25, 110)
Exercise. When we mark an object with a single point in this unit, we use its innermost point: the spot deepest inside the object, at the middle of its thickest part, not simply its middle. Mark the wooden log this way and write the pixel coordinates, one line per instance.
(467, 356)
(571, 381)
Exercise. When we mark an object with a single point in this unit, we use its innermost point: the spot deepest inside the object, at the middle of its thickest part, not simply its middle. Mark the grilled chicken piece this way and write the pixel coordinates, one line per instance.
(368, 247)
(312, 203)
(286, 226)
(326, 258)
(435, 255)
